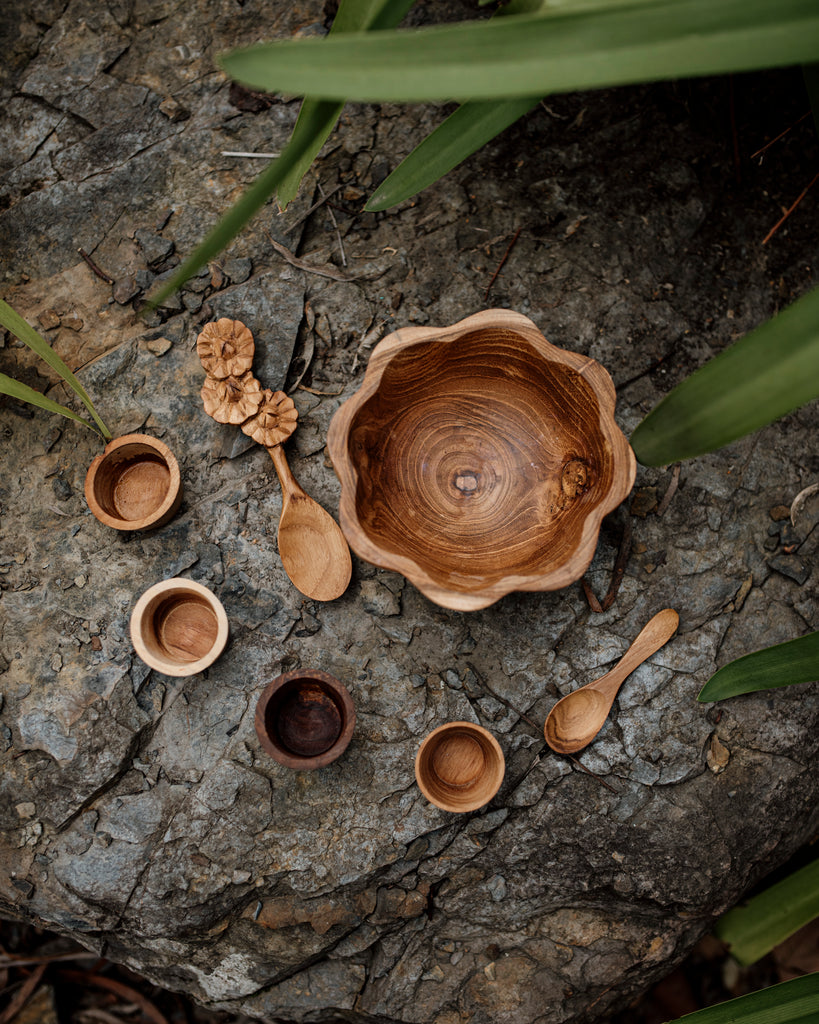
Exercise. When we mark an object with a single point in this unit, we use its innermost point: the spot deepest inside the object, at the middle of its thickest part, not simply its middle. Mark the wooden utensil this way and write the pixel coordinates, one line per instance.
(578, 717)
(312, 547)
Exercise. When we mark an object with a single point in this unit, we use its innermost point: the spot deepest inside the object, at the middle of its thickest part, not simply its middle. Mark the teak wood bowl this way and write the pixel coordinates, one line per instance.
(135, 484)
(179, 627)
(305, 719)
(459, 767)
(479, 459)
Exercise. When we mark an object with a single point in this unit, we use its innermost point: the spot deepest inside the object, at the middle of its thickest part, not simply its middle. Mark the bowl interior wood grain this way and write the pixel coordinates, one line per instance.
(135, 484)
(459, 767)
(305, 719)
(179, 627)
(480, 460)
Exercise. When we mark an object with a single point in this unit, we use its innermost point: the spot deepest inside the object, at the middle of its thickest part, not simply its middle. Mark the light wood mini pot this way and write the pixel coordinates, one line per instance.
(179, 627)
(459, 766)
(305, 719)
(135, 484)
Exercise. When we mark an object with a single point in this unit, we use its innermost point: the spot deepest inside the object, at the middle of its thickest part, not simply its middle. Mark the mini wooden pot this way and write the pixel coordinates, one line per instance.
(305, 719)
(179, 627)
(459, 767)
(135, 484)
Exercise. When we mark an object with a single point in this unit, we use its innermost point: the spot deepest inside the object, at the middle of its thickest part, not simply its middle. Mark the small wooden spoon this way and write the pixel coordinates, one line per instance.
(312, 547)
(578, 717)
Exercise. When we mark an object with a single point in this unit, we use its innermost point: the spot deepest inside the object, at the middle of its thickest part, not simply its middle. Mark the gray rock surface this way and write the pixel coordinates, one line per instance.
(138, 812)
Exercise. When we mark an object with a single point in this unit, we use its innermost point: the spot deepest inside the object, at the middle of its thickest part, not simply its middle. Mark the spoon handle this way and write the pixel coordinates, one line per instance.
(656, 632)
(289, 484)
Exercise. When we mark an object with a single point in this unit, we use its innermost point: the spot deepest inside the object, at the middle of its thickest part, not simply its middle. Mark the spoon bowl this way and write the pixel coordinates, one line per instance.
(579, 716)
(312, 547)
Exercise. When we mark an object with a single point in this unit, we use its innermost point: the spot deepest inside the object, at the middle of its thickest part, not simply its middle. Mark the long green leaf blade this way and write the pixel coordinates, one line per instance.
(796, 661)
(13, 322)
(530, 55)
(317, 118)
(471, 126)
(791, 1002)
(229, 226)
(23, 393)
(753, 929)
(765, 375)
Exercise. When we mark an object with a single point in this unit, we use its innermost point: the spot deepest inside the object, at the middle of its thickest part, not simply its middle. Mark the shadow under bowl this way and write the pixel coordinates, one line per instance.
(305, 719)
(135, 484)
(459, 766)
(179, 627)
(479, 459)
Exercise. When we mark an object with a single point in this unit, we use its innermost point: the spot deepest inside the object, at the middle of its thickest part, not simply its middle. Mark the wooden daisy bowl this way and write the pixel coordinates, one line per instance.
(479, 459)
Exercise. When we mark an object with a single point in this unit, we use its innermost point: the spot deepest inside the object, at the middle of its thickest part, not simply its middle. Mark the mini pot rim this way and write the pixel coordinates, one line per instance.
(164, 512)
(426, 751)
(340, 694)
(182, 586)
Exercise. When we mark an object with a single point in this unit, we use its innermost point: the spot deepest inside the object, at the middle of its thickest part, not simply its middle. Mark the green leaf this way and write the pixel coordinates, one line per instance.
(317, 118)
(768, 373)
(753, 929)
(558, 49)
(471, 126)
(791, 1002)
(298, 153)
(23, 393)
(796, 661)
(13, 322)
(229, 226)
(466, 130)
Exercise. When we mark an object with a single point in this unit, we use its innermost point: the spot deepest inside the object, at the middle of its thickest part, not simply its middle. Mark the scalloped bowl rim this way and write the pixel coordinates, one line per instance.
(572, 568)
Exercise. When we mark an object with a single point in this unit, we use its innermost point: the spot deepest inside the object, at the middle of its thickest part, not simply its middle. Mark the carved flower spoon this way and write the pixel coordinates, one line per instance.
(312, 547)
(578, 717)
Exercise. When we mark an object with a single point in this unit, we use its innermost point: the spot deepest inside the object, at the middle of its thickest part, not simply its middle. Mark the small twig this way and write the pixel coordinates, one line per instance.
(672, 489)
(503, 260)
(781, 135)
(149, 1010)
(790, 210)
(252, 156)
(619, 569)
(335, 225)
(100, 273)
(325, 271)
(590, 772)
(31, 961)
(23, 994)
(591, 597)
(323, 394)
(313, 208)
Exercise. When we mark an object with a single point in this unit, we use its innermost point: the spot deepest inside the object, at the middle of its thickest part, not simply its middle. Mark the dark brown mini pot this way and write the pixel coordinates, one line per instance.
(305, 719)
(135, 484)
